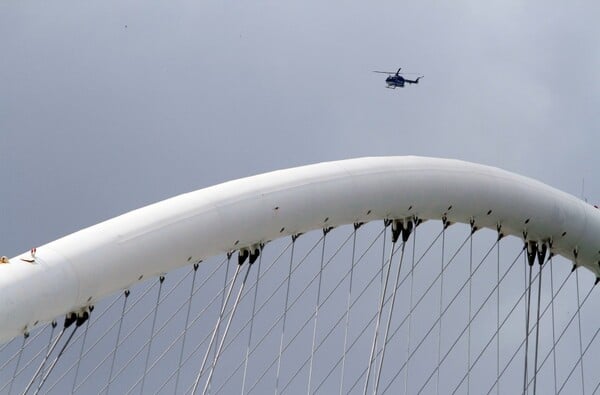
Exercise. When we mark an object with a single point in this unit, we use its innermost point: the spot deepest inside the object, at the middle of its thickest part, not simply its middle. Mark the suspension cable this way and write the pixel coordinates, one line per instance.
(500, 236)
(147, 342)
(470, 293)
(185, 326)
(217, 326)
(527, 314)
(72, 319)
(523, 295)
(285, 309)
(183, 333)
(378, 320)
(5, 345)
(537, 322)
(53, 364)
(347, 314)
(404, 320)
(580, 360)
(409, 334)
(37, 354)
(386, 223)
(366, 326)
(164, 353)
(106, 332)
(16, 354)
(43, 363)
(225, 342)
(390, 313)
(445, 310)
(416, 305)
(439, 349)
(596, 388)
(161, 280)
(201, 343)
(53, 325)
(119, 341)
(437, 368)
(87, 327)
(563, 332)
(74, 364)
(340, 319)
(553, 324)
(306, 322)
(316, 314)
(298, 332)
(200, 314)
(229, 254)
(264, 304)
(234, 309)
(279, 318)
(579, 329)
(14, 375)
(126, 293)
(251, 326)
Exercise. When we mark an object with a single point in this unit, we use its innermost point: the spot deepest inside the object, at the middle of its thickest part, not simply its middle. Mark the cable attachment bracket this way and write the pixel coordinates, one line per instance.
(542, 249)
(402, 227)
(574, 267)
(255, 250)
(243, 255)
(445, 222)
(474, 228)
(70, 319)
(416, 221)
(82, 317)
(531, 252)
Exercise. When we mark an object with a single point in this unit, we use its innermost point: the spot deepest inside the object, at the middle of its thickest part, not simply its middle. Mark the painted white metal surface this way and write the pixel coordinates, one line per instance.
(81, 268)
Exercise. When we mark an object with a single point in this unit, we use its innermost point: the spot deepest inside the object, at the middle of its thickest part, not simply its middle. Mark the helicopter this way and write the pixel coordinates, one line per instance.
(394, 79)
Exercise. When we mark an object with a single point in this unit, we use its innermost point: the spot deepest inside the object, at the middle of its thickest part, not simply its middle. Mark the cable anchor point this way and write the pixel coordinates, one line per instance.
(402, 227)
(474, 228)
(243, 255)
(531, 252)
(255, 253)
(542, 249)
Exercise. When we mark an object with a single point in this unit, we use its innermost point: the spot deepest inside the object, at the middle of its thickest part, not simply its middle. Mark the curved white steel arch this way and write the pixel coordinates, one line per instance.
(79, 269)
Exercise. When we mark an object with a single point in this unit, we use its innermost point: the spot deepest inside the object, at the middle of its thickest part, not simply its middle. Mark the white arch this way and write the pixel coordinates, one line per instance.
(79, 269)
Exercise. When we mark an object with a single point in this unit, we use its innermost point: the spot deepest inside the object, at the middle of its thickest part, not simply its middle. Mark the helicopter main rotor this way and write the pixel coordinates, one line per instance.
(393, 72)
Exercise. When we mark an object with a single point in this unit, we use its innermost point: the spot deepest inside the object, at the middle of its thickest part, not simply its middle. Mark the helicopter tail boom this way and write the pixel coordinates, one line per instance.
(413, 81)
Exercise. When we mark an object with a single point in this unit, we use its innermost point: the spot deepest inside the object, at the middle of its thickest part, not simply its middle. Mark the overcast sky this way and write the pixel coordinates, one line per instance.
(107, 106)
(97, 118)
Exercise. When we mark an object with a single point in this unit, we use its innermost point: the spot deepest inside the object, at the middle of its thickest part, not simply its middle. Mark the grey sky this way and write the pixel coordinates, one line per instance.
(97, 118)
